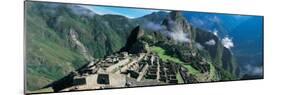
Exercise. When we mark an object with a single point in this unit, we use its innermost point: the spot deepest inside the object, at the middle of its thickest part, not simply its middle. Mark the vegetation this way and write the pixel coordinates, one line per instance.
(51, 54)
(162, 54)
(179, 78)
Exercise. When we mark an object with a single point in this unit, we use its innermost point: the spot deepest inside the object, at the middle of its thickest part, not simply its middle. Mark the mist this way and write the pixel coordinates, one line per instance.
(176, 34)
(227, 42)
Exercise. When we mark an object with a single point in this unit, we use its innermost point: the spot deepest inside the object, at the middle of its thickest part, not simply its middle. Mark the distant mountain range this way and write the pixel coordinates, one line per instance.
(246, 33)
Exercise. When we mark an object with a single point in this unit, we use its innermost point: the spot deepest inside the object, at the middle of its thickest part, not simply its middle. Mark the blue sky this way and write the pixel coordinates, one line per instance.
(128, 12)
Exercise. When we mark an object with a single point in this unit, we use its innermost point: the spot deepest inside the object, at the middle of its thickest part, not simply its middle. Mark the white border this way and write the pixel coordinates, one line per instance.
(11, 48)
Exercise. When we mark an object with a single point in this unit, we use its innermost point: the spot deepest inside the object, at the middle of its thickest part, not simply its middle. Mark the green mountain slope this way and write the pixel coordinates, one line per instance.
(51, 53)
(48, 56)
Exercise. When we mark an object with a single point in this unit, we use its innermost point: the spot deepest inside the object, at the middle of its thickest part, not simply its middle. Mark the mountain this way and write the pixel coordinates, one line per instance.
(213, 22)
(134, 45)
(244, 31)
(249, 51)
(177, 23)
(186, 40)
(155, 17)
(63, 38)
(222, 58)
(51, 52)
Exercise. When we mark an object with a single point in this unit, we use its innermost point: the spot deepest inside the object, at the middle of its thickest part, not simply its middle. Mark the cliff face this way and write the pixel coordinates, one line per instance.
(222, 57)
(176, 23)
(134, 45)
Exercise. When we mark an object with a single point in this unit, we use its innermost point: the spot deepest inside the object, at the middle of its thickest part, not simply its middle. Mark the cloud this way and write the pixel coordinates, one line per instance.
(199, 46)
(215, 32)
(227, 42)
(210, 42)
(154, 27)
(177, 34)
(257, 70)
(254, 70)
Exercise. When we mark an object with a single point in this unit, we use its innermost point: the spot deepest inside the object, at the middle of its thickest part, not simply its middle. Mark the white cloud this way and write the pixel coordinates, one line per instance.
(154, 27)
(215, 32)
(199, 46)
(257, 70)
(210, 42)
(254, 70)
(179, 36)
(227, 42)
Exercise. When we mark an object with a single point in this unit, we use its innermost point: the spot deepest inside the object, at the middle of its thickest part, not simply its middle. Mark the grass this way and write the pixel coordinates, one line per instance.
(191, 70)
(161, 53)
(179, 78)
(213, 72)
(48, 59)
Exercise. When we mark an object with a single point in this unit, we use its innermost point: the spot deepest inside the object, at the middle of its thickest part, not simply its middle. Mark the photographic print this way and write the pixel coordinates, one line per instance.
(74, 47)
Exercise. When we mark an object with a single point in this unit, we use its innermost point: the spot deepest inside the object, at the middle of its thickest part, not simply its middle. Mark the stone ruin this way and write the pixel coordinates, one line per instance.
(126, 70)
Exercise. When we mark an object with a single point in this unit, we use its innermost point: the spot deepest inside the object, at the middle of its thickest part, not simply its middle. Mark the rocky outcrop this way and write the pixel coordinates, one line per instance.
(175, 22)
(178, 29)
(221, 57)
(81, 48)
(203, 36)
(134, 44)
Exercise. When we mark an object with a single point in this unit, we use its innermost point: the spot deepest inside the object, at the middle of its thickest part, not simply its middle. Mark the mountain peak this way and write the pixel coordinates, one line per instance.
(133, 44)
(176, 15)
(175, 22)
(136, 33)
